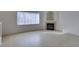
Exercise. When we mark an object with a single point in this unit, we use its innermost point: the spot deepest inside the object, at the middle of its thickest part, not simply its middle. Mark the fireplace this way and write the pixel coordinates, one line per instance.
(50, 26)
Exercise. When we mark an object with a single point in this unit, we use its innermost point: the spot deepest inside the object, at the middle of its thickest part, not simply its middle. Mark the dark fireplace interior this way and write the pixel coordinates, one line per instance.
(50, 26)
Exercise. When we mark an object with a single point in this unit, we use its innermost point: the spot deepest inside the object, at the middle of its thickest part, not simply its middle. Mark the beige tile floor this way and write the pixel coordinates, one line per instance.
(41, 39)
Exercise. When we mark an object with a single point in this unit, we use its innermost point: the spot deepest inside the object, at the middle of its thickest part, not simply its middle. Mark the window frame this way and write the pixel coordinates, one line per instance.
(27, 12)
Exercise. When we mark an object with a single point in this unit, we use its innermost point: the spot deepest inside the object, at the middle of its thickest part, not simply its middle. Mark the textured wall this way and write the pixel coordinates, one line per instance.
(8, 18)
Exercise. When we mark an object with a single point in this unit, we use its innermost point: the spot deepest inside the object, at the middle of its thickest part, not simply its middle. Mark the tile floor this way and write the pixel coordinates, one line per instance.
(41, 39)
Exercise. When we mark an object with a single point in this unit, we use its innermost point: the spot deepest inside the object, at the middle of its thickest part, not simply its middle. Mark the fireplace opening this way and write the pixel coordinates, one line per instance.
(50, 26)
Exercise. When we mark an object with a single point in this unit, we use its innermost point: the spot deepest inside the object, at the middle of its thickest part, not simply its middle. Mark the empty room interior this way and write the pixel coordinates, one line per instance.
(39, 28)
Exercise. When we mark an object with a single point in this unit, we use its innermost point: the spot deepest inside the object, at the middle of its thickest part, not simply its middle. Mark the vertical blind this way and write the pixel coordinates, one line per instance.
(27, 18)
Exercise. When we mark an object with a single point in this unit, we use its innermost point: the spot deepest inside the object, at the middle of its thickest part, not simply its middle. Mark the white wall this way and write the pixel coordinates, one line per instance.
(8, 18)
(0, 34)
(69, 21)
(56, 17)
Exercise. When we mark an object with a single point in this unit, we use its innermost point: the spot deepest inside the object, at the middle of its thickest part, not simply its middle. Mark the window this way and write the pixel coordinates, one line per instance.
(27, 18)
